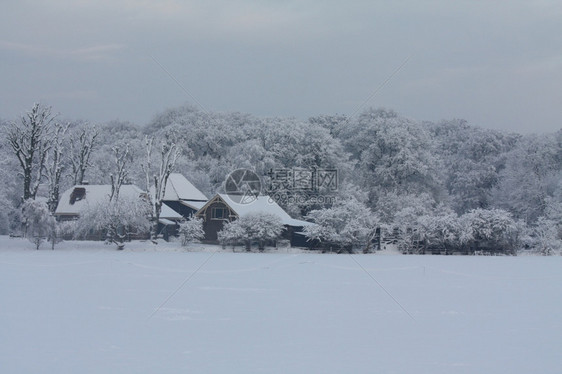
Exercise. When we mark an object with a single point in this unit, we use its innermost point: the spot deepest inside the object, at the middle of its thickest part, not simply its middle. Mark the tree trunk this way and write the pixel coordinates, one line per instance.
(154, 229)
(27, 183)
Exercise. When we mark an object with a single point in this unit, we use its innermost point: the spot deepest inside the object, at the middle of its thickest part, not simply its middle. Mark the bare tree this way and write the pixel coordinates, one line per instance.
(115, 214)
(30, 140)
(122, 159)
(156, 183)
(54, 165)
(81, 146)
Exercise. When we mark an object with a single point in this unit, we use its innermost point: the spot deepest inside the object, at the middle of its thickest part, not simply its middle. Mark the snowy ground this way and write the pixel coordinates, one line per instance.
(87, 308)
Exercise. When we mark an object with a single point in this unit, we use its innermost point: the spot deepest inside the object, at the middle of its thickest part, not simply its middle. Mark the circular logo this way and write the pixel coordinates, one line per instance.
(242, 186)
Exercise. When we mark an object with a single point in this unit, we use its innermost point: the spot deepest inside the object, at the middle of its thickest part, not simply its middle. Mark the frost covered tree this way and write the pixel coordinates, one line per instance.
(491, 230)
(263, 227)
(31, 139)
(5, 206)
(546, 236)
(205, 135)
(472, 159)
(119, 219)
(259, 226)
(301, 150)
(333, 123)
(83, 141)
(547, 232)
(40, 225)
(553, 210)
(443, 231)
(191, 230)
(346, 224)
(232, 234)
(532, 175)
(411, 222)
(156, 180)
(394, 154)
(122, 158)
(391, 204)
(122, 136)
(10, 189)
(54, 165)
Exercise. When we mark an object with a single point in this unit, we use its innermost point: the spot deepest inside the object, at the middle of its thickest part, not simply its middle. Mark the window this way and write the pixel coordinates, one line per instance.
(219, 213)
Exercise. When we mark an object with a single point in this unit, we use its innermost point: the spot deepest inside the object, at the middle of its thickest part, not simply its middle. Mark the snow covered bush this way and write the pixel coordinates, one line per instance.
(411, 226)
(4, 223)
(545, 237)
(191, 230)
(433, 232)
(66, 229)
(117, 219)
(40, 225)
(232, 233)
(492, 230)
(553, 211)
(488, 230)
(348, 223)
(262, 227)
(444, 232)
(259, 226)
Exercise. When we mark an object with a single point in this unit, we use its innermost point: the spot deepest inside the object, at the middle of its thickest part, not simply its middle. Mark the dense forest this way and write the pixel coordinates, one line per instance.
(412, 177)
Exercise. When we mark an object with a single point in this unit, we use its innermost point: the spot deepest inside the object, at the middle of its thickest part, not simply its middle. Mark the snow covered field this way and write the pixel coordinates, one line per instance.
(87, 308)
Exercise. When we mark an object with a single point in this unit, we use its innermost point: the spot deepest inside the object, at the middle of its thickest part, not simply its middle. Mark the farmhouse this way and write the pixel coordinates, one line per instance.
(221, 208)
(182, 200)
(182, 196)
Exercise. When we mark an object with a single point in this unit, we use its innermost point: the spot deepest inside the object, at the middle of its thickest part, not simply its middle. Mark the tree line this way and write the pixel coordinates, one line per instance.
(431, 184)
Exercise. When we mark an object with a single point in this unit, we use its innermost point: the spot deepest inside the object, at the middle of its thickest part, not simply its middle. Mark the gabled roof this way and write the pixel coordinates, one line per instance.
(196, 205)
(262, 203)
(168, 213)
(179, 188)
(93, 194)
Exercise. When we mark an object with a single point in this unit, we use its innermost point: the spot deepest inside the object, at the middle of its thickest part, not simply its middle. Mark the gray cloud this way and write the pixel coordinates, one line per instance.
(96, 52)
(493, 63)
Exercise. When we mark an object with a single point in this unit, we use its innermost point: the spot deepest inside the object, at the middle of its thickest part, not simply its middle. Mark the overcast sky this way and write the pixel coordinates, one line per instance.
(497, 64)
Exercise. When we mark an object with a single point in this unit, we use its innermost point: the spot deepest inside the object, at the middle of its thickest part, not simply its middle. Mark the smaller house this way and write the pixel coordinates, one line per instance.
(221, 209)
(168, 224)
(182, 196)
(77, 198)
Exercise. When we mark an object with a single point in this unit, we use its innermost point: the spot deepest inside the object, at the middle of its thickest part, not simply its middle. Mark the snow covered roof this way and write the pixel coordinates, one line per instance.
(166, 222)
(194, 204)
(76, 198)
(169, 213)
(263, 203)
(179, 188)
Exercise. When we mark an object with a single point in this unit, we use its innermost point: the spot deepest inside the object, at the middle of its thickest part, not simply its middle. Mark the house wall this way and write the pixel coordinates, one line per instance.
(296, 240)
(213, 226)
(168, 230)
